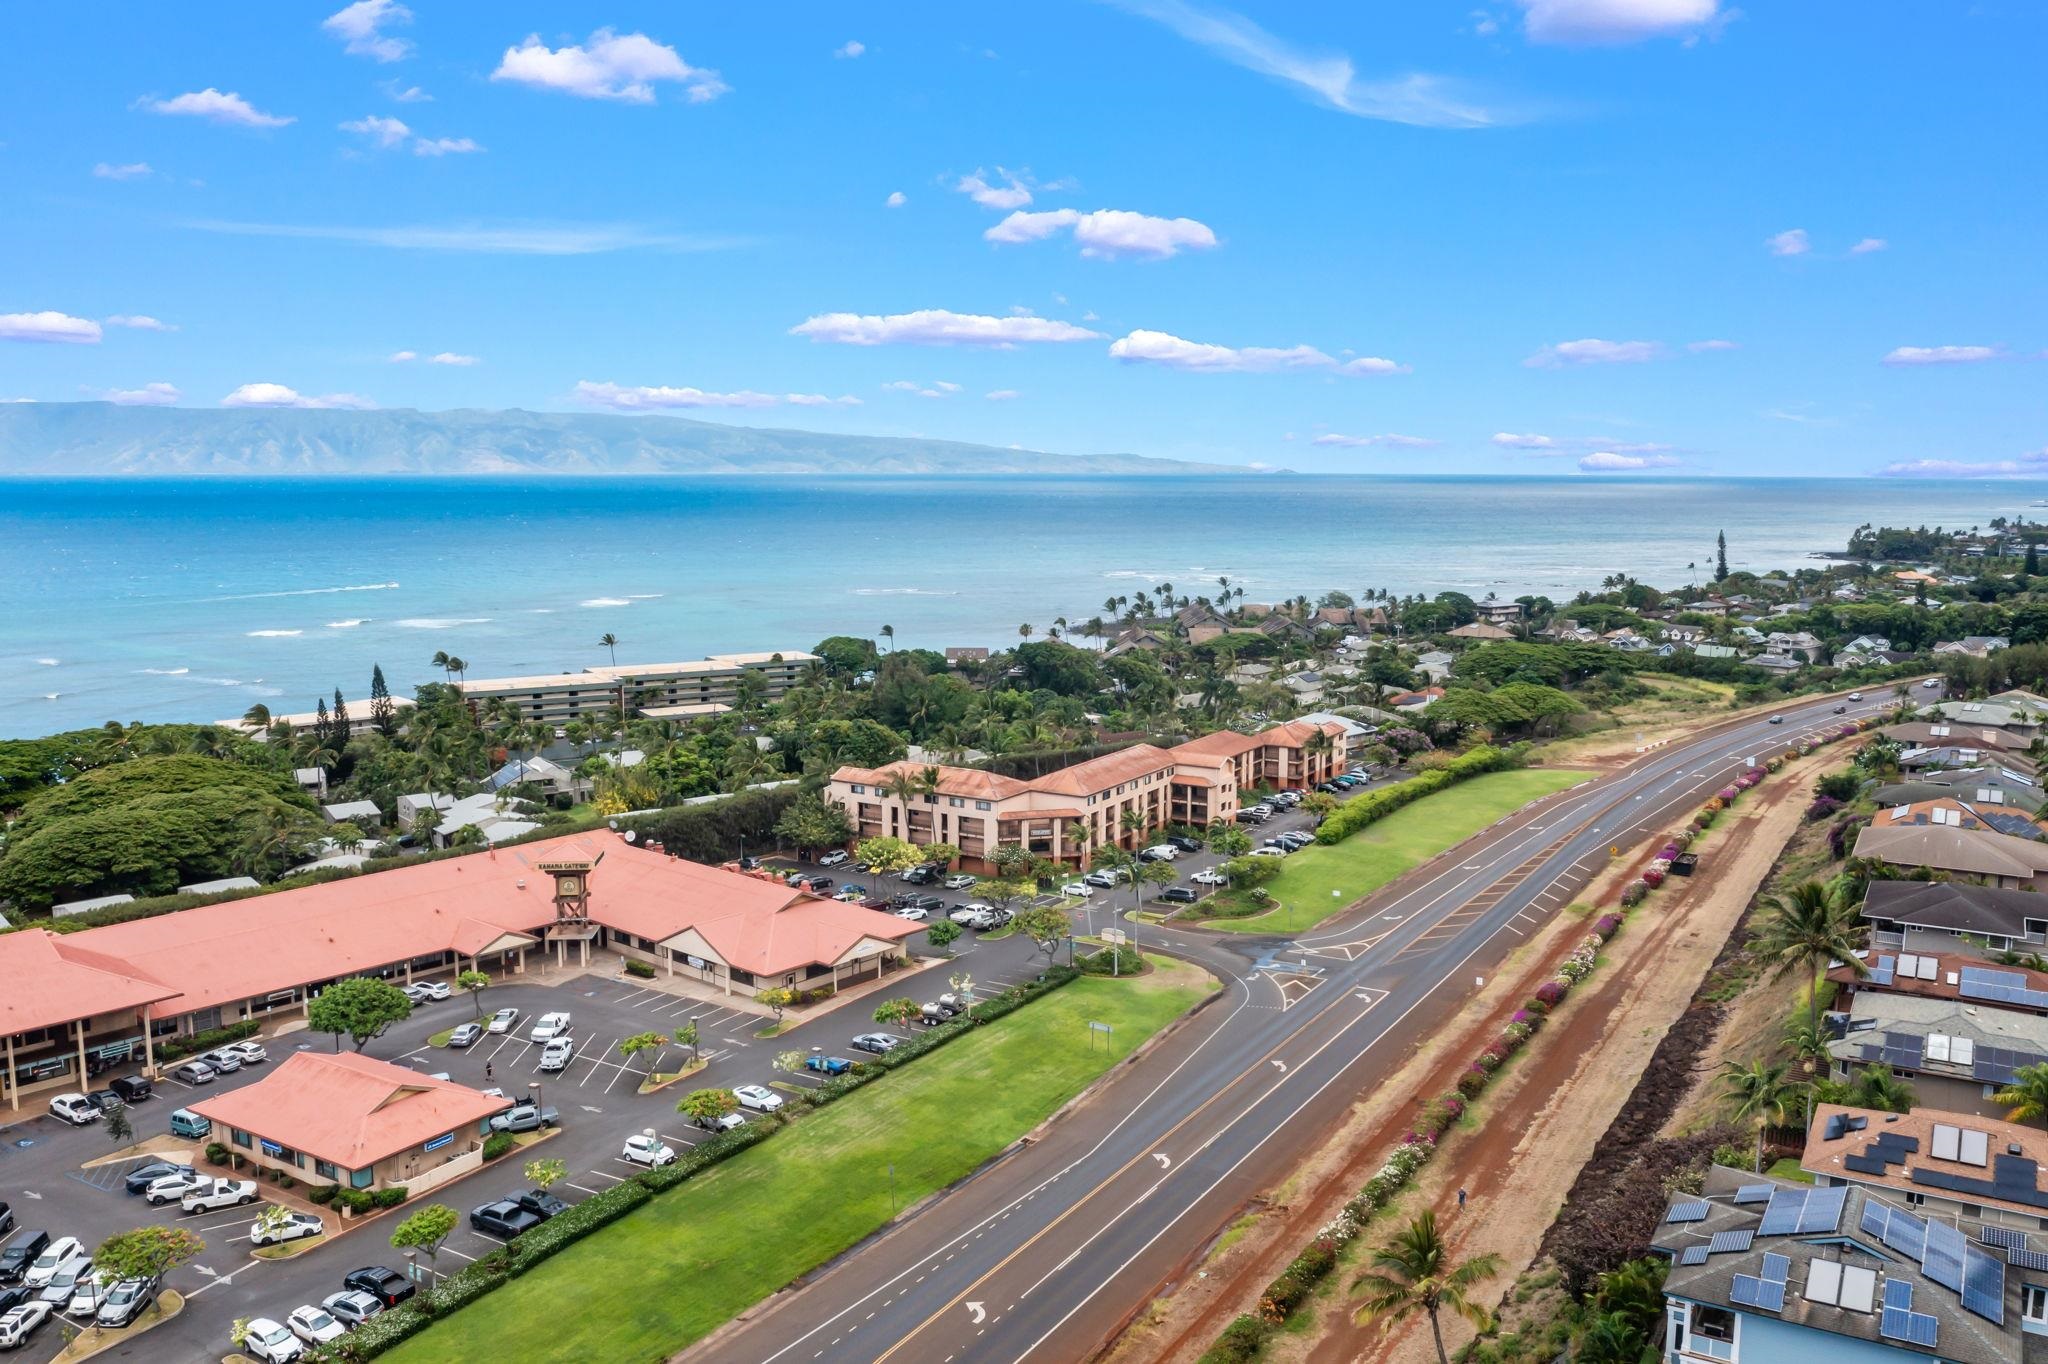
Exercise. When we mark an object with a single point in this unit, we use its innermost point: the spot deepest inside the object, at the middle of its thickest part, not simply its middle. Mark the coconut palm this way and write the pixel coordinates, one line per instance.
(257, 717)
(2026, 1098)
(1877, 1087)
(1414, 1273)
(610, 641)
(1807, 928)
(1758, 1094)
(888, 632)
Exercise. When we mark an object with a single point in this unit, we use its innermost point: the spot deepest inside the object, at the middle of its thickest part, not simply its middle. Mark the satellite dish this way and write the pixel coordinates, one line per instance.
(631, 835)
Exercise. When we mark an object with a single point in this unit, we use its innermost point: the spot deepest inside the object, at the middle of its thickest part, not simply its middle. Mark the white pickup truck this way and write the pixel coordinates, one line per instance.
(219, 1193)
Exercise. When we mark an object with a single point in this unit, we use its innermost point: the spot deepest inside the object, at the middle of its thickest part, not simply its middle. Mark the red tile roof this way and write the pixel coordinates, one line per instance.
(350, 1109)
(54, 979)
(1103, 773)
(1036, 816)
(970, 782)
(1224, 743)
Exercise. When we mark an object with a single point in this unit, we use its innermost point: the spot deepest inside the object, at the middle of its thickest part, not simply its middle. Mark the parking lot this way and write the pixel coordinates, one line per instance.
(596, 1095)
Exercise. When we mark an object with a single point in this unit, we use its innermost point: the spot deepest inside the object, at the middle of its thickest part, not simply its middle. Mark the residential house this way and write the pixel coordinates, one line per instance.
(1414, 702)
(969, 653)
(1628, 642)
(1135, 638)
(1939, 756)
(1504, 613)
(364, 814)
(1480, 631)
(1799, 644)
(1981, 786)
(1434, 665)
(1202, 634)
(1951, 916)
(311, 780)
(1948, 733)
(495, 816)
(1862, 649)
(1948, 811)
(1939, 1164)
(1997, 859)
(1286, 629)
(1777, 663)
(551, 777)
(1954, 1052)
(1973, 646)
(1715, 651)
(1688, 635)
(1951, 975)
(1198, 615)
(2021, 721)
(1765, 1271)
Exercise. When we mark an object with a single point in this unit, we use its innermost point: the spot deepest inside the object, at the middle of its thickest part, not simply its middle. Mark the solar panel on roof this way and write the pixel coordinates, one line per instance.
(1823, 1210)
(1727, 1241)
(1781, 1218)
(1914, 1328)
(1875, 1214)
(1755, 1193)
(1694, 1211)
(2002, 1236)
(1694, 1255)
(1906, 1234)
(1984, 1285)
(1943, 1259)
(1777, 1267)
(2027, 1259)
(1898, 1293)
(1764, 1294)
(1881, 974)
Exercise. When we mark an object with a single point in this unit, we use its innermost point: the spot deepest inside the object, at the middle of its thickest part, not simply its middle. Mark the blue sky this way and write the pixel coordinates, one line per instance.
(1522, 236)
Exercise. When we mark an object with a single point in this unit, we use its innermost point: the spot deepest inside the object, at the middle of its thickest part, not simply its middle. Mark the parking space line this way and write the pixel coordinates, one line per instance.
(581, 1187)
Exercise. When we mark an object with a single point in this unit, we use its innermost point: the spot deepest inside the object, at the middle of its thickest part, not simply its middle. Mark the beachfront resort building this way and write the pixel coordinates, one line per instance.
(1123, 798)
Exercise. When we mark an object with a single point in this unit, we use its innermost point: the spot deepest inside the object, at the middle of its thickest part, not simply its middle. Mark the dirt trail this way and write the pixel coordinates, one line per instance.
(1543, 1119)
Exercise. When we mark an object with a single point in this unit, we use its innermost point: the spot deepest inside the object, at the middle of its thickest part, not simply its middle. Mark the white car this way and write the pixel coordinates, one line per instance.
(19, 1323)
(1855, 696)
(502, 1020)
(75, 1109)
(1269, 852)
(87, 1293)
(171, 1188)
(223, 1061)
(264, 1339)
(314, 1325)
(1210, 878)
(558, 1053)
(1932, 684)
(833, 858)
(295, 1227)
(56, 1257)
(959, 881)
(1080, 888)
(428, 990)
(215, 1194)
(758, 1097)
(249, 1053)
(548, 1027)
(1160, 852)
(642, 1149)
(915, 913)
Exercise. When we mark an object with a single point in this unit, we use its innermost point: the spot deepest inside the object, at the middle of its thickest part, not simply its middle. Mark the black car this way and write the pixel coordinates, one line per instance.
(133, 1089)
(387, 1286)
(6, 1218)
(15, 1296)
(1185, 843)
(541, 1203)
(1176, 895)
(919, 876)
(140, 1177)
(107, 1100)
(21, 1252)
(503, 1218)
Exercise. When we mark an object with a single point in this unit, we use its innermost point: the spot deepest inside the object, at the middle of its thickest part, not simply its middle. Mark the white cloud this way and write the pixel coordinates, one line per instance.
(149, 395)
(449, 357)
(509, 239)
(1593, 351)
(139, 322)
(1013, 193)
(938, 388)
(1330, 79)
(1540, 445)
(938, 327)
(849, 50)
(358, 27)
(613, 66)
(896, 199)
(1791, 242)
(1162, 348)
(215, 107)
(408, 94)
(1614, 21)
(1391, 440)
(1108, 233)
(1702, 347)
(1511, 441)
(385, 132)
(942, 385)
(1610, 461)
(277, 395)
(2032, 464)
(1868, 245)
(443, 146)
(1001, 395)
(58, 328)
(1941, 355)
(403, 357)
(134, 170)
(623, 398)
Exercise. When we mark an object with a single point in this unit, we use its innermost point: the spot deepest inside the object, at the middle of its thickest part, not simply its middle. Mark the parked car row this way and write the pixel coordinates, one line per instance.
(42, 1278)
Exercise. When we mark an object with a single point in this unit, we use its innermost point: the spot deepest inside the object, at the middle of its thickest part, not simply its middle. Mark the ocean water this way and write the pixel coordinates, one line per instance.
(191, 600)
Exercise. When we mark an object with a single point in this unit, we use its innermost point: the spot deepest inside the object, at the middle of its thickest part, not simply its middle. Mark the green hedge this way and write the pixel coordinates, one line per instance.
(497, 1144)
(176, 1048)
(1348, 818)
(1240, 1342)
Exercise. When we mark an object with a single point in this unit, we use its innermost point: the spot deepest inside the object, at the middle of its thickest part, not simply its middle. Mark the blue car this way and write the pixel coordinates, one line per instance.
(828, 1065)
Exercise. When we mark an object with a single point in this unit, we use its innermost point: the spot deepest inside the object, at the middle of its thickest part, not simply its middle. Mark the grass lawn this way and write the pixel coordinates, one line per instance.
(1407, 838)
(674, 1270)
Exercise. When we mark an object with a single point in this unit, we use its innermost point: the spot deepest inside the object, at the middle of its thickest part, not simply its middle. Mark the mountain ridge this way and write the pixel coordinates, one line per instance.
(99, 439)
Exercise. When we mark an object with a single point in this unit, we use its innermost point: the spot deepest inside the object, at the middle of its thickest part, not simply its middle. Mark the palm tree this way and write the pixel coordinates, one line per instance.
(610, 641)
(888, 632)
(1413, 1273)
(1877, 1087)
(2026, 1098)
(1808, 928)
(459, 667)
(1757, 1093)
(257, 717)
(1024, 632)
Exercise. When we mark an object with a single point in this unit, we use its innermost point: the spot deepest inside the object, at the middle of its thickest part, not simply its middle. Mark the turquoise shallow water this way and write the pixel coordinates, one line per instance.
(191, 600)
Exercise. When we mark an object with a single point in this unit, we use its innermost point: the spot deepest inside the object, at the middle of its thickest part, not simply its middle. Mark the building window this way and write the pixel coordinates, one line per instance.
(362, 1179)
(325, 1169)
(238, 1136)
(1711, 1332)
(859, 790)
(983, 805)
(2034, 1303)
(955, 801)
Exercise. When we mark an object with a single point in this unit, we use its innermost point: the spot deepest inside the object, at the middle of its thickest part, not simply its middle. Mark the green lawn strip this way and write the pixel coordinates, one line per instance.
(673, 1271)
(1367, 860)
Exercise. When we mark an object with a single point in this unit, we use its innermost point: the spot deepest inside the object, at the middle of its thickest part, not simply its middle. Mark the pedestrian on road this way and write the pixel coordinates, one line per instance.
(1461, 1192)
(487, 1075)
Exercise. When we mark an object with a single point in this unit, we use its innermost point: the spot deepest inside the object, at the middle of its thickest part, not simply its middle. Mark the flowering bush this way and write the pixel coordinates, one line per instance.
(1725, 795)
(1607, 925)
(1653, 877)
(1669, 852)
(1473, 1080)
(1517, 1030)
(1551, 993)
(1822, 807)
(1535, 1007)
(1632, 894)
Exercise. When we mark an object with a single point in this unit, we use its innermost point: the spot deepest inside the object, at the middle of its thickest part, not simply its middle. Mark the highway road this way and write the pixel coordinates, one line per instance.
(1046, 1254)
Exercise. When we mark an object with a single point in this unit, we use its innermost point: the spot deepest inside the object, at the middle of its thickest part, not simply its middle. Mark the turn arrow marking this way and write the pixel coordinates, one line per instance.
(979, 1314)
(1281, 1064)
(1165, 1161)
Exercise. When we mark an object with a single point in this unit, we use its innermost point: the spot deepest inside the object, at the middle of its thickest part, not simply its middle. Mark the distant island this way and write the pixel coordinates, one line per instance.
(88, 440)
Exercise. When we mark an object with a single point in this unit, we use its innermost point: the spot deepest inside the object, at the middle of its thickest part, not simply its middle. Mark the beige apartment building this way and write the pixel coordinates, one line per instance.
(705, 686)
(1065, 815)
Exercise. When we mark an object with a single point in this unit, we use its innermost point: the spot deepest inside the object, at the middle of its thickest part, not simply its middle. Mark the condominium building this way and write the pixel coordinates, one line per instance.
(1123, 798)
(704, 686)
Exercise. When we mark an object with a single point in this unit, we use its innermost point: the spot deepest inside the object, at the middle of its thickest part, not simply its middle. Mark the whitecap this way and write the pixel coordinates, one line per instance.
(605, 601)
(901, 592)
(47, 662)
(343, 624)
(167, 672)
(541, 611)
(275, 634)
(51, 695)
(306, 592)
(644, 596)
(220, 681)
(440, 622)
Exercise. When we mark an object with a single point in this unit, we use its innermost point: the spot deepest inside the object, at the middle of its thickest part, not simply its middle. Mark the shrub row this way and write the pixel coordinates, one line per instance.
(1353, 815)
(176, 1048)
(523, 1252)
